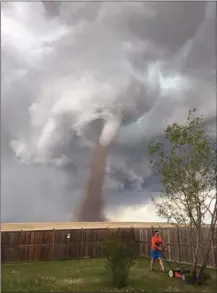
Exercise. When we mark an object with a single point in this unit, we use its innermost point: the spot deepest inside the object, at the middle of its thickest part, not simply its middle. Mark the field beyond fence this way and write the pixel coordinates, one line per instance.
(56, 244)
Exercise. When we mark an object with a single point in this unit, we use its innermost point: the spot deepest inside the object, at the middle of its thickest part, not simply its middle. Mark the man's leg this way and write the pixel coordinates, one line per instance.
(153, 258)
(152, 263)
(161, 264)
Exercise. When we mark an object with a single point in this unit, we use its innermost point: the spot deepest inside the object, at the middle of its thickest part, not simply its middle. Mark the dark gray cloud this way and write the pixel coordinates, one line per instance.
(157, 58)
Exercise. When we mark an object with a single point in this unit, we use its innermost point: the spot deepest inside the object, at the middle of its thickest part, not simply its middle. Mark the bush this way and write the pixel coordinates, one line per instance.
(207, 276)
(118, 258)
(189, 279)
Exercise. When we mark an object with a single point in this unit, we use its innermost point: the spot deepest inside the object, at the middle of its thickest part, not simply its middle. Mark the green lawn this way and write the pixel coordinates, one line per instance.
(90, 275)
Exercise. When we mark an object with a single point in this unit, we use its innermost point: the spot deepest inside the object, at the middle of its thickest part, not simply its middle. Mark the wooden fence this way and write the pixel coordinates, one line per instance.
(86, 243)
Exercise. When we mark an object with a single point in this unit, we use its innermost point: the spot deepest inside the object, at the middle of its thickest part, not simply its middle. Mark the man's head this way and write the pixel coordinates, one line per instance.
(156, 233)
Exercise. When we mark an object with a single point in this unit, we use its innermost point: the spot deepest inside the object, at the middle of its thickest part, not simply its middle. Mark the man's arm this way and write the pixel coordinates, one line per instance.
(163, 244)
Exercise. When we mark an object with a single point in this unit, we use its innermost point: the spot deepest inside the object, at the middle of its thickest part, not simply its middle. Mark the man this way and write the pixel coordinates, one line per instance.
(156, 250)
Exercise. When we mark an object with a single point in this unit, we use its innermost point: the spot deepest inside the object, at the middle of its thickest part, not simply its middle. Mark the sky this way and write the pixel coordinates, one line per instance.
(66, 66)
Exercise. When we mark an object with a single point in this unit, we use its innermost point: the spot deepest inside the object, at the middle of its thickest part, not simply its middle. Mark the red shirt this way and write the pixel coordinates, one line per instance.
(156, 241)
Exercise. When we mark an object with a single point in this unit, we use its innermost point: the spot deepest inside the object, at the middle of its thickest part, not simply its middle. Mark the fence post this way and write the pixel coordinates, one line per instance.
(169, 244)
(20, 245)
(191, 241)
(86, 245)
(214, 255)
(82, 242)
(152, 232)
(178, 238)
(147, 243)
(53, 243)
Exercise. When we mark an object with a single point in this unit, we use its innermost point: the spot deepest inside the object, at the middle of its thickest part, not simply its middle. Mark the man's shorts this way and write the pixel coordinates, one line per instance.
(156, 254)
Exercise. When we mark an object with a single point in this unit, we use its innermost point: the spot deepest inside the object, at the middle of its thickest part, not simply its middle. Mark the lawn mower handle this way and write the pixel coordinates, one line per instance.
(165, 249)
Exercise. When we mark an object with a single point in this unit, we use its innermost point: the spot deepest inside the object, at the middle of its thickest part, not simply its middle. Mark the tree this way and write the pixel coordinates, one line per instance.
(119, 258)
(186, 163)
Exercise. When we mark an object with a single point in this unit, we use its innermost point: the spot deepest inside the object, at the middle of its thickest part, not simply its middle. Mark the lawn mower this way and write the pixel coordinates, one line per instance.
(178, 272)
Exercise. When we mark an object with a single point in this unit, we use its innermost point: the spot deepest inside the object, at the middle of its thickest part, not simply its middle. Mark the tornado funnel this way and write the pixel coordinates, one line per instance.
(92, 208)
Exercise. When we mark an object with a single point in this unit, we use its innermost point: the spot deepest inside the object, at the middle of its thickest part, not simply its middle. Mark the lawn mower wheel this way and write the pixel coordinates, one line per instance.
(171, 273)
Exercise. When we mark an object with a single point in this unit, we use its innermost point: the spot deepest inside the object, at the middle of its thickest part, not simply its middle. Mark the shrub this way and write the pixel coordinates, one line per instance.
(199, 281)
(207, 276)
(118, 258)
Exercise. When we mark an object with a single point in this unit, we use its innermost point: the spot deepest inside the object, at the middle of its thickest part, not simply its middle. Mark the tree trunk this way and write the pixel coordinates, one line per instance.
(210, 241)
(195, 260)
(202, 268)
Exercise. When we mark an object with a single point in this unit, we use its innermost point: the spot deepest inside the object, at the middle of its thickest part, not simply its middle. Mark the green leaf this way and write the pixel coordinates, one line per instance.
(187, 165)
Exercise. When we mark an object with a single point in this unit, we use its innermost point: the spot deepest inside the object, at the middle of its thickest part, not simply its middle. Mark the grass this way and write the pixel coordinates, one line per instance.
(90, 276)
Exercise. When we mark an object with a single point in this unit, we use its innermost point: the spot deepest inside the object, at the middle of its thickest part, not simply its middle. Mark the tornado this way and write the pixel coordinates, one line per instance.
(92, 207)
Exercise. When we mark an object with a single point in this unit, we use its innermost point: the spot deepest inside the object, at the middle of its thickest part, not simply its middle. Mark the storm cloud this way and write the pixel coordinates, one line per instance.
(67, 65)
